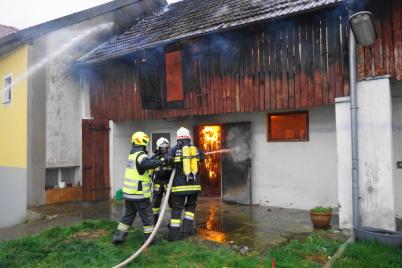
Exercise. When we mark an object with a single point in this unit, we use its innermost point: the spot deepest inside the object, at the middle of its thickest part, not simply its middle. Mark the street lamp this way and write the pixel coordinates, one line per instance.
(362, 25)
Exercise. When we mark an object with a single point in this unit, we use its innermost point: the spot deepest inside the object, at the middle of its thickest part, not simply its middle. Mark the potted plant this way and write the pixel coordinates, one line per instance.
(321, 217)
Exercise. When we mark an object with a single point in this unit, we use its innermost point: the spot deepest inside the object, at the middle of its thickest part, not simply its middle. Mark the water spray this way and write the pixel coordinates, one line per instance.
(223, 151)
(65, 47)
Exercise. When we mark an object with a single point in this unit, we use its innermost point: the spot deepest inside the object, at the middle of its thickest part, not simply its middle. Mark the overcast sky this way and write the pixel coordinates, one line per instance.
(25, 13)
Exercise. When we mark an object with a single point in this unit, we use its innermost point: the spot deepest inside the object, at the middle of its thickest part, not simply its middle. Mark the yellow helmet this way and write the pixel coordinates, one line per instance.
(140, 138)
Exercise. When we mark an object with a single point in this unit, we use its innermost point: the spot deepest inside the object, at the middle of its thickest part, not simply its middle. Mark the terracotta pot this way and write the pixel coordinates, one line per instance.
(321, 220)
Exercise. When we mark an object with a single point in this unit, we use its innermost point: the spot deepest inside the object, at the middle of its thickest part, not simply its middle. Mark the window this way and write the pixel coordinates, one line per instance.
(287, 126)
(7, 89)
(174, 79)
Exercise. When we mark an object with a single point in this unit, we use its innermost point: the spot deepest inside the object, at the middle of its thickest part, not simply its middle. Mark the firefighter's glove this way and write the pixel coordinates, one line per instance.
(167, 161)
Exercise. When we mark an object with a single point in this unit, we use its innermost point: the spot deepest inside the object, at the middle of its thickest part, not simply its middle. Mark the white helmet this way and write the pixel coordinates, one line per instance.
(183, 133)
(162, 142)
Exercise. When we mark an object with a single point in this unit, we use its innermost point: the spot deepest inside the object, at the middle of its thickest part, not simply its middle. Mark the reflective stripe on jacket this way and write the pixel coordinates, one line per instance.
(136, 186)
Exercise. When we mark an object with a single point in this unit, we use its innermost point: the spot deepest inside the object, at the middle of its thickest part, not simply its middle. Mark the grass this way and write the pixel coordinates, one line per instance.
(313, 252)
(370, 255)
(88, 244)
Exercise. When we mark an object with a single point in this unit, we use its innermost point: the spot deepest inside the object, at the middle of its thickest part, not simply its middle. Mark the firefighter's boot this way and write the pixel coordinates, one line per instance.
(119, 237)
(174, 234)
(188, 228)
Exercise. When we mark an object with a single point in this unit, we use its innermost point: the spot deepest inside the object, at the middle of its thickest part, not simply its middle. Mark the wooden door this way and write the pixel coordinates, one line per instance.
(95, 160)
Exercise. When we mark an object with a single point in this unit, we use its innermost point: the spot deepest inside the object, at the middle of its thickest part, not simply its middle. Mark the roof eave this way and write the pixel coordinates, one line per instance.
(170, 41)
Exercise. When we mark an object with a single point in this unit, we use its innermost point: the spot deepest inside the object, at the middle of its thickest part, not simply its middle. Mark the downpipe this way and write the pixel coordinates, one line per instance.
(158, 224)
(354, 130)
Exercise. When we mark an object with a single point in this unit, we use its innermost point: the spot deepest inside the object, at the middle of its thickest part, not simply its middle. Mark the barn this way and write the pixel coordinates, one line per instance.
(268, 82)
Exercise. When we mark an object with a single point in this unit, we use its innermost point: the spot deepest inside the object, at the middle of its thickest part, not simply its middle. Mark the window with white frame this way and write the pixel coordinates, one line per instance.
(7, 89)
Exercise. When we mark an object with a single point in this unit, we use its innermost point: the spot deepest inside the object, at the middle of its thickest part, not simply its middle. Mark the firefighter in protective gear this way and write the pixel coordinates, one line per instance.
(186, 185)
(160, 176)
(136, 189)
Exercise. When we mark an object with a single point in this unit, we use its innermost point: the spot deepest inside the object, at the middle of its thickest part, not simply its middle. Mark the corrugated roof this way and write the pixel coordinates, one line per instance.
(6, 30)
(190, 18)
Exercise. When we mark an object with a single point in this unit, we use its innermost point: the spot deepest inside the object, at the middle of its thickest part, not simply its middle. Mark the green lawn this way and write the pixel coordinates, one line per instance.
(370, 255)
(88, 245)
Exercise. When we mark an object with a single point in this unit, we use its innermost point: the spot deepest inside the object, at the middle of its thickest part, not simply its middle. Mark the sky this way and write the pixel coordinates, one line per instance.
(26, 13)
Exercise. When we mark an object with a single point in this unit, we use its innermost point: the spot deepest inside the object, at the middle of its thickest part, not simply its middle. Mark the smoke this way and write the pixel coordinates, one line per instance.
(74, 41)
(222, 11)
(238, 143)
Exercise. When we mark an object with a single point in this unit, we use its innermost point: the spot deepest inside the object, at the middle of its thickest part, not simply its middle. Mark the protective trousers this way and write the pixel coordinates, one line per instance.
(177, 204)
(144, 209)
(159, 190)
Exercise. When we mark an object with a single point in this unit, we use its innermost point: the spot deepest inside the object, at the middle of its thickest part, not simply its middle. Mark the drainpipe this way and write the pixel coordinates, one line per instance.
(354, 127)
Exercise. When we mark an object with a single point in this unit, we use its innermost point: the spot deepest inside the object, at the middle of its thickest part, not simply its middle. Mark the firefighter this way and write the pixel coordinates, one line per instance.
(136, 189)
(186, 185)
(161, 176)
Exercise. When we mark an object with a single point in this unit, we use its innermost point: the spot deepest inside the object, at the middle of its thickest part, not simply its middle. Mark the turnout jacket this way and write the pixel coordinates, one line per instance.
(183, 185)
(161, 175)
(136, 180)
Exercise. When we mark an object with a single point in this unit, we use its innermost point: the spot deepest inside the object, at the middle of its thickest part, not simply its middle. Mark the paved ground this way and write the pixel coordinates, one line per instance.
(254, 226)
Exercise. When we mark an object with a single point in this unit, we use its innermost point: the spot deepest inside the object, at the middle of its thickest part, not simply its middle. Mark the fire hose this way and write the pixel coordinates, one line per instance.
(158, 224)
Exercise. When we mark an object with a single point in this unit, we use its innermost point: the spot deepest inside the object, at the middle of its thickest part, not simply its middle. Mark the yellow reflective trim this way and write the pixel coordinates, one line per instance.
(189, 213)
(177, 159)
(186, 188)
(140, 158)
(123, 227)
(130, 182)
(175, 221)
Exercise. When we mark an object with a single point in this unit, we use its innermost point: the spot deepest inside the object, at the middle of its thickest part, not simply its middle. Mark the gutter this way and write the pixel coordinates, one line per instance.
(354, 126)
(219, 30)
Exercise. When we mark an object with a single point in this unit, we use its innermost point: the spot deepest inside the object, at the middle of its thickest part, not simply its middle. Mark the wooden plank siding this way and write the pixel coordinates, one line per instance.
(294, 63)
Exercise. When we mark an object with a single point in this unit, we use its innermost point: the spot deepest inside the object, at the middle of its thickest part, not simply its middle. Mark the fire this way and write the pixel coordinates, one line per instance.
(212, 228)
(210, 140)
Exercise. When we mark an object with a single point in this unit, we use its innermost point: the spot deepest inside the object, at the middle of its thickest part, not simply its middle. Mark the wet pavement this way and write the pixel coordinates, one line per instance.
(257, 227)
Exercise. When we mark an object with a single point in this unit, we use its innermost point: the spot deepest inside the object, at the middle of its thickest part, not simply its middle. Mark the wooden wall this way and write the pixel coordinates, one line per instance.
(289, 64)
(386, 53)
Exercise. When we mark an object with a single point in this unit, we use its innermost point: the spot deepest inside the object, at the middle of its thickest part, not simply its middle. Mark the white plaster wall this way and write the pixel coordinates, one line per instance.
(284, 174)
(344, 151)
(397, 134)
(376, 165)
(376, 153)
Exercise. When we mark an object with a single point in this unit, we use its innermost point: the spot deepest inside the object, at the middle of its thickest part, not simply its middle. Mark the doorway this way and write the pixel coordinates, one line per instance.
(226, 171)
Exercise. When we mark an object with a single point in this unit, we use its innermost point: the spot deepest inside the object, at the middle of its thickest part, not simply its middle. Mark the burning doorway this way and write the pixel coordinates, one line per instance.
(226, 172)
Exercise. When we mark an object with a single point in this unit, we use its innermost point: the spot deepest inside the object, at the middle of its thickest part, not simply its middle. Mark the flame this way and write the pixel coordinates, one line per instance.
(212, 226)
(210, 140)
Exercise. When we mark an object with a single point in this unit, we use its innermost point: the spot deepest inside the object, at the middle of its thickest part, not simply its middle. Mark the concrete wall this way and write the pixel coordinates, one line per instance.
(13, 197)
(397, 134)
(284, 174)
(36, 125)
(65, 103)
(64, 99)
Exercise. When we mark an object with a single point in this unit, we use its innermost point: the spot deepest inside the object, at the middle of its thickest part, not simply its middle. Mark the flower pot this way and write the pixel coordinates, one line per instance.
(321, 220)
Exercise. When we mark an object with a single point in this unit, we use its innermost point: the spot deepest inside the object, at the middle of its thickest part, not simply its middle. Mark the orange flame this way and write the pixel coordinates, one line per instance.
(211, 231)
(210, 140)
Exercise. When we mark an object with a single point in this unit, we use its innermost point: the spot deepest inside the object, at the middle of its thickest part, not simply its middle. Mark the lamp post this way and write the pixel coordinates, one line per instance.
(363, 31)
